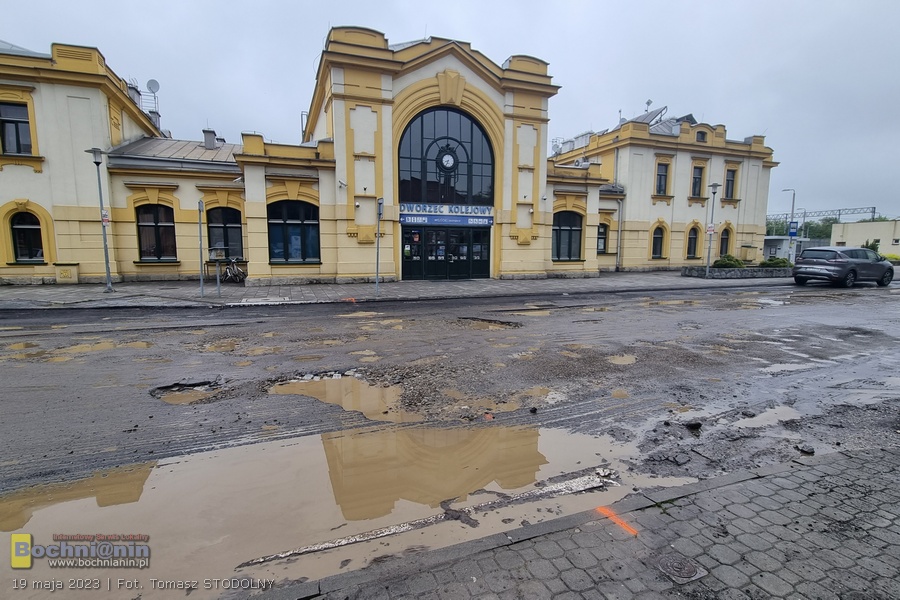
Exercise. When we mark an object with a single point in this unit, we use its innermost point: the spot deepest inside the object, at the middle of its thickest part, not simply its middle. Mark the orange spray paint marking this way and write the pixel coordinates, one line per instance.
(609, 514)
(352, 300)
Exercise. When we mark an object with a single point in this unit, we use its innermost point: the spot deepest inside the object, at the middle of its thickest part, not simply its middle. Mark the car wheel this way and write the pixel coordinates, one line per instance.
(848, 280)
(886, 278)
(800, 280)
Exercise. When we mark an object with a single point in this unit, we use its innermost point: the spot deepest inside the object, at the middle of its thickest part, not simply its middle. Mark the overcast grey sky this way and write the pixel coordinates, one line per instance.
(818, 78)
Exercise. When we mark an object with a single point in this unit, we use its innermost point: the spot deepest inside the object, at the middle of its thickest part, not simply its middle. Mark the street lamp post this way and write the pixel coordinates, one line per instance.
(792, 237)
(104, 216)
(378, 241)
(711, 226)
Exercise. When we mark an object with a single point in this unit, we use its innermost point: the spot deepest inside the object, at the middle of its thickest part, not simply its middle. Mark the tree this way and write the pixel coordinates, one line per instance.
(776, 227)
(820, 229)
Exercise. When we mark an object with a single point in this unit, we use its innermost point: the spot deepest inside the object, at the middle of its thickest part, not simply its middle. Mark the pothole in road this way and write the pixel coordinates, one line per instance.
(100, 346)
(771, 416)
(221, 346)
(188, 391)
(21, 346)
(377, 403)
(488, 324)
(323, 493)
(650, 303)
(623, 359)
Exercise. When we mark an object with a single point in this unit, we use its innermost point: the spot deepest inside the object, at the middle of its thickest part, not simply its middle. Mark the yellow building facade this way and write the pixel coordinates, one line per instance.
(422, 160)
(681, 192)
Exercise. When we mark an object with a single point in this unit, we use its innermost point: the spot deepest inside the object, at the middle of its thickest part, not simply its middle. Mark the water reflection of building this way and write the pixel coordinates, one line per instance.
(371, 471)
(112, 487)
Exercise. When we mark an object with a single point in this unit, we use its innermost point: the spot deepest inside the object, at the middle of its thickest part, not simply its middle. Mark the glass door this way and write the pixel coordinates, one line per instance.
(413, 244)
(458, 255)
(435, 254)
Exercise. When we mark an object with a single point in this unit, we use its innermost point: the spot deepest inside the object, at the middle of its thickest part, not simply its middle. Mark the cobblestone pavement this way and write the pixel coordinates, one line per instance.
(187, 293)
(819, 527)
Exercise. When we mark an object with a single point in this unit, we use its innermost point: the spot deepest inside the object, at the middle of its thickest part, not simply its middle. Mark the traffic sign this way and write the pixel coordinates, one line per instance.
(792, 229)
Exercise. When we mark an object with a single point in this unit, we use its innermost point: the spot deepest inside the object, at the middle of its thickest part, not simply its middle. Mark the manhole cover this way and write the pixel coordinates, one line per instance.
(680, 569)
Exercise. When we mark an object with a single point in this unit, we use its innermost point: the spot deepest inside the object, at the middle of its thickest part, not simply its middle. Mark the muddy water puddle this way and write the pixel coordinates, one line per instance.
(68, 352)
(207, 513)
(21, 346)
(770, 416)
(622, 359)
(350, 393)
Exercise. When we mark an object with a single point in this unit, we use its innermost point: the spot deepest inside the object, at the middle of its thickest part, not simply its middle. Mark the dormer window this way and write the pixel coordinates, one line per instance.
(701, 136)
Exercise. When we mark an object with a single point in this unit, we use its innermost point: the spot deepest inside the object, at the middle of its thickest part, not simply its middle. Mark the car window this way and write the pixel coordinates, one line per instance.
(820, 254)
(872, 255)
(852, 254)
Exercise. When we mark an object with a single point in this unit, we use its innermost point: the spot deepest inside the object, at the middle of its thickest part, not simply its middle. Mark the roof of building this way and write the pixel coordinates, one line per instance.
(7, 48)
(179, 150)
(176, 155)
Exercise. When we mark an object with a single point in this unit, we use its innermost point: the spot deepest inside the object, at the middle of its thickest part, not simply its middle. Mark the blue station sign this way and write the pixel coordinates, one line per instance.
(446, 214)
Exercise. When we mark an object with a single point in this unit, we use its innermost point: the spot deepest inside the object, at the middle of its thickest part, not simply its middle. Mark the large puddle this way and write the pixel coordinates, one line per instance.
(205, 514)
(350, 393)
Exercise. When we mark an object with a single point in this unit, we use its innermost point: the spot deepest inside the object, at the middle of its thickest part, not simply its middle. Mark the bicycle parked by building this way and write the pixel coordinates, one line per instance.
(233, 272)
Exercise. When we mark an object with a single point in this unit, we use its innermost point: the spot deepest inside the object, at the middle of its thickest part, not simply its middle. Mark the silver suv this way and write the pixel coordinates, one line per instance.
(842, 266)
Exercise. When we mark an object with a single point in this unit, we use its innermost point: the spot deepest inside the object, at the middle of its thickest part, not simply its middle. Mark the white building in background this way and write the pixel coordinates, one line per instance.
(886, 233)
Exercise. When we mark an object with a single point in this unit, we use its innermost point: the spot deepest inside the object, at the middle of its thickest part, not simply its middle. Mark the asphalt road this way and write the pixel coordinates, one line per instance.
(85, 390)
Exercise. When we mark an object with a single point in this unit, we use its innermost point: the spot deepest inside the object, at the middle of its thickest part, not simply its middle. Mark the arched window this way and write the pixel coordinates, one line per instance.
(224, 227)
(26, 235)
(693, 237)
(659, 235)
(725, 242)
(156, 232)
(566, 236)
(445, 158)
(602, 238)
(293, 232)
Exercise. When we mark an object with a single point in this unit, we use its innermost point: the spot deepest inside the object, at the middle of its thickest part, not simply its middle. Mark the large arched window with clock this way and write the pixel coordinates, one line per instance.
(445, 158)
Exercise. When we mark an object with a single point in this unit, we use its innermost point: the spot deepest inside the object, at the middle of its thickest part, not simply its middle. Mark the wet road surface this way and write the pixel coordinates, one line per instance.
(277, 429)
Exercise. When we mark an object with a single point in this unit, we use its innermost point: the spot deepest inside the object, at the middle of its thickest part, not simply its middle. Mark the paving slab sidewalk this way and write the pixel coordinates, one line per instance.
(186, 294)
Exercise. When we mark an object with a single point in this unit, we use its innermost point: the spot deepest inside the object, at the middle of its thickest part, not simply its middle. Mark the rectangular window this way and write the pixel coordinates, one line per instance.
(662, 179)
(602, 235)
(730, 176)
(15, 133)
(697, 183)
(156, 232)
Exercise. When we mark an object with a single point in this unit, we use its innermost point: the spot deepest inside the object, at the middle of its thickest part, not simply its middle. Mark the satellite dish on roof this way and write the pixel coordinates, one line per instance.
(153, 86)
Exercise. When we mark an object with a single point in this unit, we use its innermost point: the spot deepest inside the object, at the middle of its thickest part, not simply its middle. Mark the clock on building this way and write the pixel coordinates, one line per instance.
(447, 161)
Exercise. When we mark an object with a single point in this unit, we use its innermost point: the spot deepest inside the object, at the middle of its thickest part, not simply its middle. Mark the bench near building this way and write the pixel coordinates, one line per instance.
(447, 146)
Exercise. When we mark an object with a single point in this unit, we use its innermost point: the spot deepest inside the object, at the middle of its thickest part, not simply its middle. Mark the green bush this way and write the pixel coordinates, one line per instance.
(728, 262)
(892, 257)
(873, 245)
(775, 263)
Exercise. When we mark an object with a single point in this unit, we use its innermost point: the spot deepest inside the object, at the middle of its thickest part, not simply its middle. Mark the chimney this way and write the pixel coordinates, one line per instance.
(209, 139)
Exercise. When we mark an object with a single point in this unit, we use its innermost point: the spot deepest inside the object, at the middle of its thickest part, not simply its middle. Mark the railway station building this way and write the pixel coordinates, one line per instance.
(426, 157)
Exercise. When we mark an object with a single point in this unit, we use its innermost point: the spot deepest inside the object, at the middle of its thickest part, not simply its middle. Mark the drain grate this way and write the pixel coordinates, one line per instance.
(680, 569)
